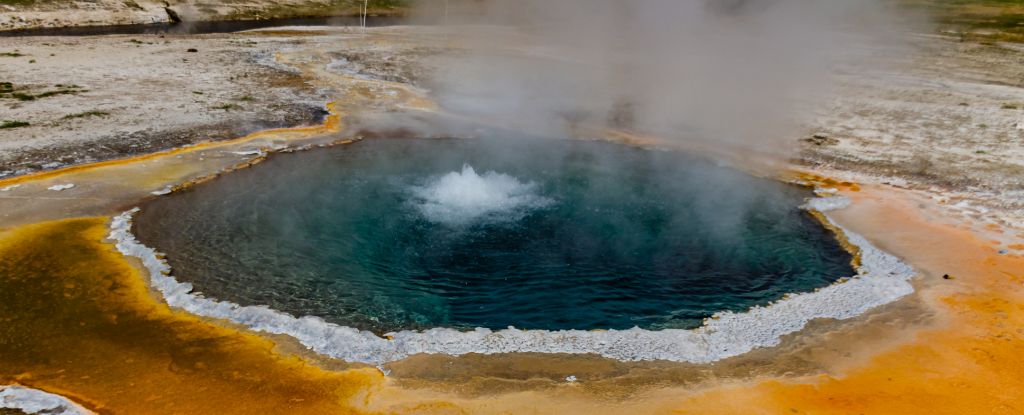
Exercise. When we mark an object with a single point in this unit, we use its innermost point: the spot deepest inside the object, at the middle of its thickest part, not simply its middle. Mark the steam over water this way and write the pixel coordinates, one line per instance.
(539, 234)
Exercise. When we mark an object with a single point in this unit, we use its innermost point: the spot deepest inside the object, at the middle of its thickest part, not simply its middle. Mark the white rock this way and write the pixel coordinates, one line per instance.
(34, 401)
(59, 187)
(161, 192)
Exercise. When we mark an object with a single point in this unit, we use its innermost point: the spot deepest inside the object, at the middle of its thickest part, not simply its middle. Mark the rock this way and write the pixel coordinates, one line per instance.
(60, 187)
(193, 50)
(172, 15)
(820, 139)
(161, 192)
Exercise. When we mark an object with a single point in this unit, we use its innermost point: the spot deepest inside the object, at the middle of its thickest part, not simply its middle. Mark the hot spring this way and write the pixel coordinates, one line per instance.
(398, 234)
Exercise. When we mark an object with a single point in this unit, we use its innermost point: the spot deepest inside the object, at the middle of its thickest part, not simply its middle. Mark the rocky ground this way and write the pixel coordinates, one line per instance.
(74, 100)
(81, 99)
(944, 116)
(34, 14)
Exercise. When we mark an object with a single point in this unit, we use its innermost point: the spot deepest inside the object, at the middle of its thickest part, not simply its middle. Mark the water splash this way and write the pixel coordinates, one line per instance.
(464, 198)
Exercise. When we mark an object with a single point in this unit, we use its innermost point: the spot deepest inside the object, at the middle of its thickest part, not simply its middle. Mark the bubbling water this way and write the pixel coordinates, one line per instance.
(403, 234)
(465, 198)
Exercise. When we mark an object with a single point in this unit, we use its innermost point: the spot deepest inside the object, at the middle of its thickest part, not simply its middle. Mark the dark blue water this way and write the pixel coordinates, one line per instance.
(541, 234)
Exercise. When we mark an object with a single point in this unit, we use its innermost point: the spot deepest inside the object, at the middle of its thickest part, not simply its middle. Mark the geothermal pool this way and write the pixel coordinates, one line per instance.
(397, 234)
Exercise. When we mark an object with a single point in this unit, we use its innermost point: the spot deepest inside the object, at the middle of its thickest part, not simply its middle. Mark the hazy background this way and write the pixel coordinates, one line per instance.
(738, 73)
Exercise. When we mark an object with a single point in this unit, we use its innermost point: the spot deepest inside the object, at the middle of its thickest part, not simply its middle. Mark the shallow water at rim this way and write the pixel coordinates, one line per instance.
(538, 234)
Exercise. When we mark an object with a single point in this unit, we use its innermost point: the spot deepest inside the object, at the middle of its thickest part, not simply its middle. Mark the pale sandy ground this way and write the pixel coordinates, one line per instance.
(154, 94)
(292, 71)
(101, 12)
(950, 348)
(63, 13)
(944, 116)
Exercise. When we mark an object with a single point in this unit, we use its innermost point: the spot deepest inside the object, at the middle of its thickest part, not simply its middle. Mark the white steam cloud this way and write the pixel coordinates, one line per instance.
(728, 72)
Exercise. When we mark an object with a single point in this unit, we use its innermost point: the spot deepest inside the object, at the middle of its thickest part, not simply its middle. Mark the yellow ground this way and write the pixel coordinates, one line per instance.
(78, 320)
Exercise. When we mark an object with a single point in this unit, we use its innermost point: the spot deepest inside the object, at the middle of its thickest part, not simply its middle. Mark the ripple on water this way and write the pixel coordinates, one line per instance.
(388, 235)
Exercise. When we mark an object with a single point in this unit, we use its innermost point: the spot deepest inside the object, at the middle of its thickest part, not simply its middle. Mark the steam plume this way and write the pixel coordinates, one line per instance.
(729, 72)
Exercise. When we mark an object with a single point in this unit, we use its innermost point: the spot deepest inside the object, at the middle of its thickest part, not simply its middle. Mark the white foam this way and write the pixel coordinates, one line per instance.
(59, 187)
(161, 192)
(256, 152)
(825, 204)
(882, 278)
(34, 401)
(460, 198)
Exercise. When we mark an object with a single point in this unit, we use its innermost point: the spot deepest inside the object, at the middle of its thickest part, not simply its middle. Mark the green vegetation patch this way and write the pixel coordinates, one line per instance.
(327, 8)
(228, 107)
(133, 5)
(58, 92)
(13, 124)
(87, 114)
(7, 90)
(977, 20)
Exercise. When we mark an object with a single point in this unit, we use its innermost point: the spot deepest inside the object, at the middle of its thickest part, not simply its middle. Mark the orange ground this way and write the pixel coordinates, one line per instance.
(972, 366)
(78, 320)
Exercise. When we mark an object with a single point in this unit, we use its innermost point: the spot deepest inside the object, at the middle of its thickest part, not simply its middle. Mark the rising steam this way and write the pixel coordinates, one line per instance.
(729, 72)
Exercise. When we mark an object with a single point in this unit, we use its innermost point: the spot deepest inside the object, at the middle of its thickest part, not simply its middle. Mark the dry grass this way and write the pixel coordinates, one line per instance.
(977, 20)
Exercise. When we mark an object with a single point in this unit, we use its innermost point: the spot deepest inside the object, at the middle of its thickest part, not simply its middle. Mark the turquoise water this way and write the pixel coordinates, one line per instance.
(393, 234)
